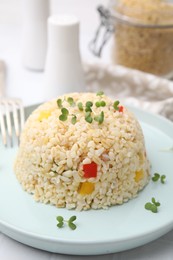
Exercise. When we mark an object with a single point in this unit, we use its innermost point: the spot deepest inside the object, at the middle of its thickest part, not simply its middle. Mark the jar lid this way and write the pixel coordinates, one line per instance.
(145, 13)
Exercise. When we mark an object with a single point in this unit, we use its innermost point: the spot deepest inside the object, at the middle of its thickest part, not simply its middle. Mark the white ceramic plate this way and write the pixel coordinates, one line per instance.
(98, 231)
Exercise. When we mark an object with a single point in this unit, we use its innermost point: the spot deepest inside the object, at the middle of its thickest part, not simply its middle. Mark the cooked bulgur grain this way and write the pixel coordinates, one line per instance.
(82, 165)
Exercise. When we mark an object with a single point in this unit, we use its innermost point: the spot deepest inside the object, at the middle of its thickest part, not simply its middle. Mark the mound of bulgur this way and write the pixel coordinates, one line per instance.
(82, 164)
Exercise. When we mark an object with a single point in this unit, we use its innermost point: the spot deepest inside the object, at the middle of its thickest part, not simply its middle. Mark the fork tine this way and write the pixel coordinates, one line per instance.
(11, 113)
(15, 119)
(8, 121)
(2, 125)
(22, 113)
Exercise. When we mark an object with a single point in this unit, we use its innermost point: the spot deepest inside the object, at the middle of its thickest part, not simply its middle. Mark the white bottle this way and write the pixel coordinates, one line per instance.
(63, 68)
(34, 34)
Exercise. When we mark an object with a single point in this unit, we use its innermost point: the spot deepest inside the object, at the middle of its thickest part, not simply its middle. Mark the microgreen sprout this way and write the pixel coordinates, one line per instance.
(100, 93)
(155, 203)
(152, 206)
(97, 104)
(69, 222)
(88, 117)
(80, 106)
(60, 220)
(162, 179)
(99, 118)
(100, 103)
(89, 113)
(70, 100)
(64, 115)
(74, 119)
(115, 105)
(64, 111)
(59, 102)
(157, 177)
(88, 105)
(88, 109)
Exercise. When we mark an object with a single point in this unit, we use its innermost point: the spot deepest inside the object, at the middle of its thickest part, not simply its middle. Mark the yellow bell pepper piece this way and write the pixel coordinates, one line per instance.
(44, 115)
(139, 175)
(86, 188)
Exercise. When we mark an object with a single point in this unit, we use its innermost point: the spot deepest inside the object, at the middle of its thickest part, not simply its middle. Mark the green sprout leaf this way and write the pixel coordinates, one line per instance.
(115, 105)
(154, 202)
(70, 100)
(73, 218)
(97, 104)
(64, 111)
(59, 102)
(89, 120)
(153, 207)
(80, 106)
(162, 179)
(88, 117)
(59, 218)
(74, 119)
(63, 117)
(148, 205)
(156, 177)
(89, 104)
(69, 222)
(60, 224)
(157, 204)
(100, 93)
(102, 103)
(88, 109)
(72, 226)
(99, 118)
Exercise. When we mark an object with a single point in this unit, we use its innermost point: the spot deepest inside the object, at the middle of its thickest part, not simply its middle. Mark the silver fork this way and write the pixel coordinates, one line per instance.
(12, 115)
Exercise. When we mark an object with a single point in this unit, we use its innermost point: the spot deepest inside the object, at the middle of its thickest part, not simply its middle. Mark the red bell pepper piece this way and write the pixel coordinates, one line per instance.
(121, 108)
(90, 170)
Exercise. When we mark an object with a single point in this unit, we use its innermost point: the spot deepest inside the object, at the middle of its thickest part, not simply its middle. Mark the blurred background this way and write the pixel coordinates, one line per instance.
(10, 42)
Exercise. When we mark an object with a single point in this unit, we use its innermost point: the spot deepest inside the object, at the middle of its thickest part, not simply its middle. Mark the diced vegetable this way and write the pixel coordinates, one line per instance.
(139, 175)
(90, 170)
(44, 115)
(121, 108)
(86, 188)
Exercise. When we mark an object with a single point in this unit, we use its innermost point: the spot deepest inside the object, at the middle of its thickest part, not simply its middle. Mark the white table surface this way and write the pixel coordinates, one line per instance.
(28, 86)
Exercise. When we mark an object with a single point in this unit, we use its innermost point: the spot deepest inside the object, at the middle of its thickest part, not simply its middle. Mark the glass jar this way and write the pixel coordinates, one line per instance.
(143, 37)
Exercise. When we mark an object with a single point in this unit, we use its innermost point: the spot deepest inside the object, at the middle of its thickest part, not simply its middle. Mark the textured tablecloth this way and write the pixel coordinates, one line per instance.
(142, 90)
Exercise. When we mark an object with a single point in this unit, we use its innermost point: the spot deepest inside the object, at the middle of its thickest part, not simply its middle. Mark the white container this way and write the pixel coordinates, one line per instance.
(63, 68)
(34, 35)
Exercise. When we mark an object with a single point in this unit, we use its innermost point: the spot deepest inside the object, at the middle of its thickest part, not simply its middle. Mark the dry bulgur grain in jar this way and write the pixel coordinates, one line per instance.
(144, 35)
